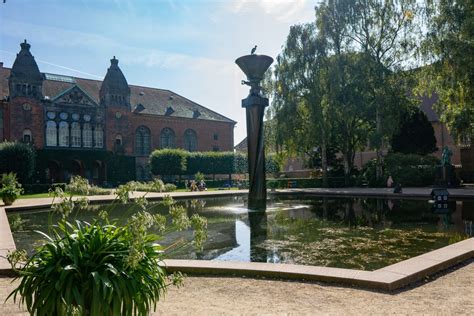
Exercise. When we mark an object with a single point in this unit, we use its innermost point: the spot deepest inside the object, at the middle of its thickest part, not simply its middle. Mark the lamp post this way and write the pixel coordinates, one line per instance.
(254, 67)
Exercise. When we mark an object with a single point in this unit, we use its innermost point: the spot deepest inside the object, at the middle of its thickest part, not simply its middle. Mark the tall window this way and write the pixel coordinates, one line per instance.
(118, 140)
(167, 137)
(75, 134)
(27, 138)
(190, 140)
(51, 134)
(87, 135)
(99, 136)
(63, 134)
(142, 141)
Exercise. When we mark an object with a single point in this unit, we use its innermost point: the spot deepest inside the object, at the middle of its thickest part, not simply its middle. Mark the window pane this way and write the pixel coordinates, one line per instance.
(63, 134)
(87, 135)
(190, 140)
(75, 135)
(142, 141)
(167, 138)
(51, 134)
(99, 136)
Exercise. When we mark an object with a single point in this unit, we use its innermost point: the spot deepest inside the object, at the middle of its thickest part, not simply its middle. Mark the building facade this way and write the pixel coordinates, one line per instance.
(101, 130)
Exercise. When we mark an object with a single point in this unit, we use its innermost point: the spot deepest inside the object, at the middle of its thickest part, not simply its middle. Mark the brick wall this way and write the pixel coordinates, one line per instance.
(205, 130)
(21, 119)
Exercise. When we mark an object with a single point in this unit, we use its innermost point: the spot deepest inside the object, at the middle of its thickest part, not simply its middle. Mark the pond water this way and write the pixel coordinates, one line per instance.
(350, 233)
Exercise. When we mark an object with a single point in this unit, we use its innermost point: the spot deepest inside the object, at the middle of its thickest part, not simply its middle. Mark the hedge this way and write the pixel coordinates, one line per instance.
(408, 170)
(180, 162)
(18, 158)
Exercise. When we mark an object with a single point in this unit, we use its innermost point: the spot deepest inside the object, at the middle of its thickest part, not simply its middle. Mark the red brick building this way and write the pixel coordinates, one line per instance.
(100, 129)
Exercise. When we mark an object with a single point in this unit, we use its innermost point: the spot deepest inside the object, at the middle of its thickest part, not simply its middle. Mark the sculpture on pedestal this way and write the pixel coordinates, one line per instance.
(254, 66)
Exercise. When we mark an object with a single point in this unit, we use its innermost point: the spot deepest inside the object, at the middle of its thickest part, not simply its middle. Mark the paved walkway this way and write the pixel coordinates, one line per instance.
(449, 294)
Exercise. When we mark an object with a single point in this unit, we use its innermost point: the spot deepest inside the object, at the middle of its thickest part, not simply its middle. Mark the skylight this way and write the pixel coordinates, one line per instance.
(59, 78)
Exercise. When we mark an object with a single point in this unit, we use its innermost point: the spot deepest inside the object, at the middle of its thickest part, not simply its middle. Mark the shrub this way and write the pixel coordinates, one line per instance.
(18, 158)
(80, 186)
(199, 176)
(408, 170)
(168, 162)
(169, 187)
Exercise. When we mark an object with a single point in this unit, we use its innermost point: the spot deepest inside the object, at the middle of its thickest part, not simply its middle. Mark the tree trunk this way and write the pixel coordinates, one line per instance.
(324, 162)
(380, 145)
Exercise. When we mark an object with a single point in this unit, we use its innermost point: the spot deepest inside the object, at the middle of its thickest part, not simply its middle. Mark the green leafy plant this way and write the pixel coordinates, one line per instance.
(10, 188)
(101, 268)
(169, 187)
(199, 176)
(80, 186)
(16, 222)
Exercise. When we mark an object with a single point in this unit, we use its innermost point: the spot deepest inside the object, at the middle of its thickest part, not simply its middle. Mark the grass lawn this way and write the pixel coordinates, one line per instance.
(34, 196)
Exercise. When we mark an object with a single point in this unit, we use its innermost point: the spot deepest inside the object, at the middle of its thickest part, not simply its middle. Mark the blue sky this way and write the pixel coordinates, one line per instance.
(188, 47)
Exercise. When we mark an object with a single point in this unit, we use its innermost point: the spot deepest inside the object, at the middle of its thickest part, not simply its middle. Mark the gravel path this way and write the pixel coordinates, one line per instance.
(451, 293)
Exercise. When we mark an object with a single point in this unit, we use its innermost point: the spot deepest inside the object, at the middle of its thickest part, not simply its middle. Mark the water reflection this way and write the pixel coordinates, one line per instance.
(350, 233)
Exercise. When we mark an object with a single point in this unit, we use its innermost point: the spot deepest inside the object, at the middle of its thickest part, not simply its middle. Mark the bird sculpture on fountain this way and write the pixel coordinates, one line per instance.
(253, 50)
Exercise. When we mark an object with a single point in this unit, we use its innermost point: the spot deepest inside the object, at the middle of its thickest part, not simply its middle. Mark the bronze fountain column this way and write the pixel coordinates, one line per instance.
(254, 67)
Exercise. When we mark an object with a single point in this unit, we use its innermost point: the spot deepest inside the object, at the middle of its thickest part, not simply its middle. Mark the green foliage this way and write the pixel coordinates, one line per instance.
(100, 268)
(273, 163)
(199, 176)
(168, 162)
(10, 188)
(416, 134)
(448, 49)
(18, 158)
(16, 222)
(169, 187)
(408, 170)
(80, 186)
(163, 161)
(151, 186)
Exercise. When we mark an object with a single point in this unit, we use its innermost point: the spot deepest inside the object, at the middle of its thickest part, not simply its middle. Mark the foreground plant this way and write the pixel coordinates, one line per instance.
(100, 268)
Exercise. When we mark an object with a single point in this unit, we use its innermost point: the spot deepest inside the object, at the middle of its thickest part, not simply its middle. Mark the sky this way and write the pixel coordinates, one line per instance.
(187, 46)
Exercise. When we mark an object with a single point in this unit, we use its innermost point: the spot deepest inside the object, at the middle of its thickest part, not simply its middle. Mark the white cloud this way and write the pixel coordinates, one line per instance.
(286, 11)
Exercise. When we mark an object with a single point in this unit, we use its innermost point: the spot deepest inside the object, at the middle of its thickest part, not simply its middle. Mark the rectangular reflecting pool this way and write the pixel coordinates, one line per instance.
(355, 233)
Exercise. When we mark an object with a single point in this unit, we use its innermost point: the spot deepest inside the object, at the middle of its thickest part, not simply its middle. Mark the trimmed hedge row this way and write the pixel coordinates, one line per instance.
(180, 162)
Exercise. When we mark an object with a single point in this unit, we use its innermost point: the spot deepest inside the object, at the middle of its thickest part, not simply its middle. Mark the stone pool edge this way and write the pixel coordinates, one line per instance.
(389, 278)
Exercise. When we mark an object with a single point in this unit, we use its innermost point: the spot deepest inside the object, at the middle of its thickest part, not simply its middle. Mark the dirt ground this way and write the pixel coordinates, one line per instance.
(448, 293)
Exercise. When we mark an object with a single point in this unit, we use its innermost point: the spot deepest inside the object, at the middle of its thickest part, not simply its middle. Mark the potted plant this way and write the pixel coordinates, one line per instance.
(10, 188)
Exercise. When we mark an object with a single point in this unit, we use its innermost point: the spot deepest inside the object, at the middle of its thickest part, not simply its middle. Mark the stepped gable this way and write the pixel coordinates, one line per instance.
(25, 68)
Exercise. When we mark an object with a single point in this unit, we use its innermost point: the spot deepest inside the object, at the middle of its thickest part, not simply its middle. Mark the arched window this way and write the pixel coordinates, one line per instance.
(167, 137)
(51, 134)
(87, 135)
(118, 140)
(142, 141)
(63, 134)
(190, 140)
(75, 134)
(99, 136)
(27, 138)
